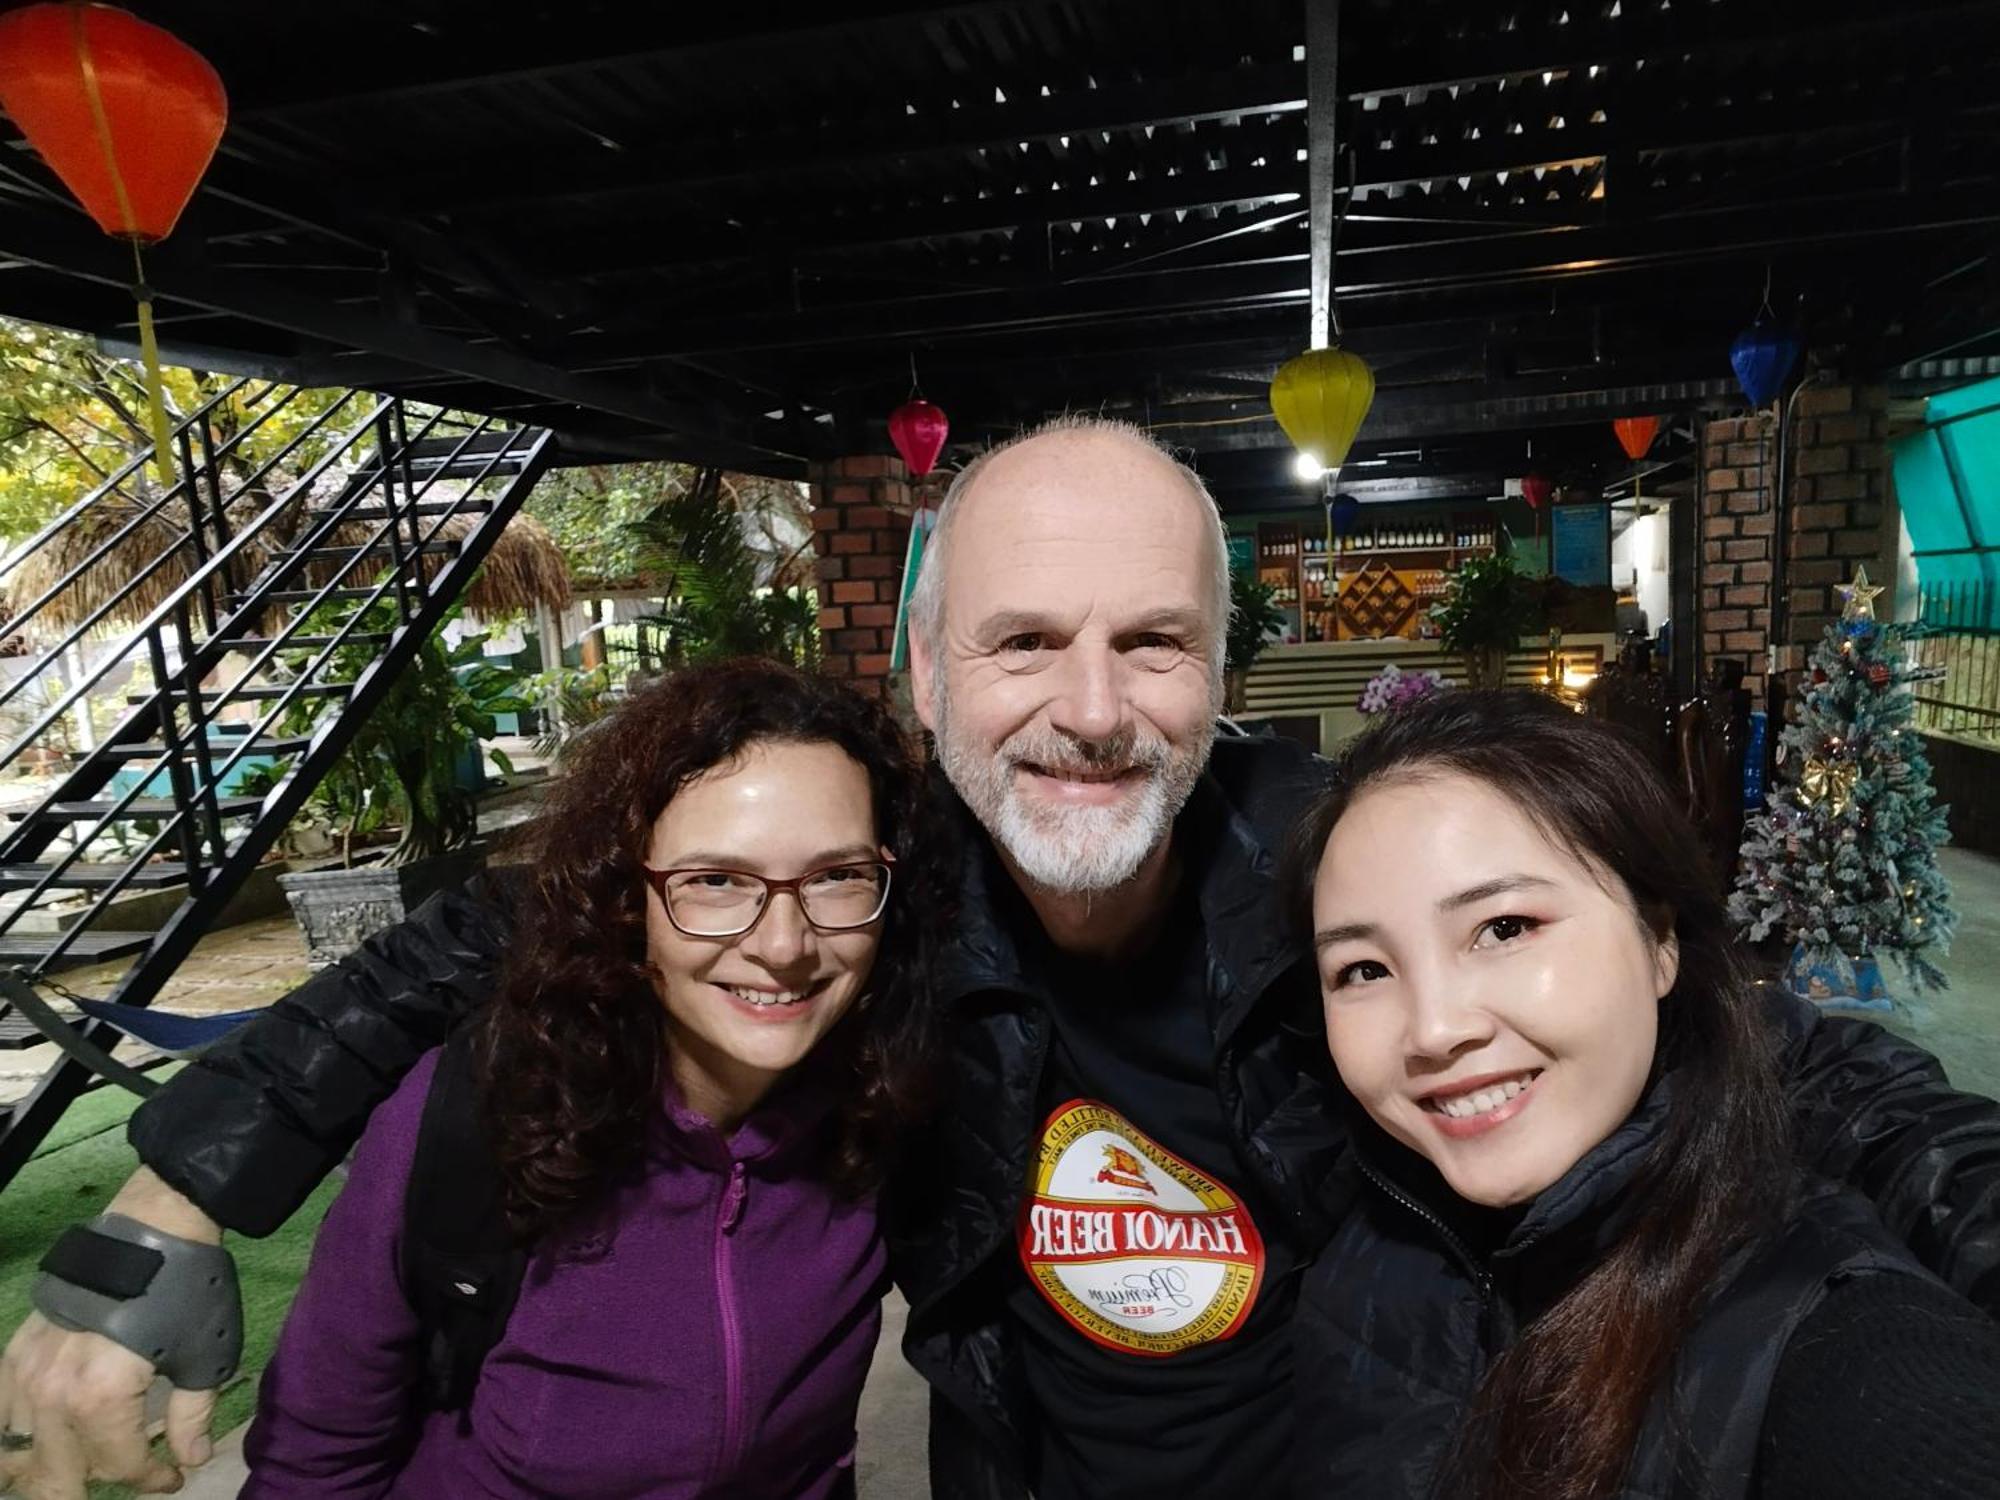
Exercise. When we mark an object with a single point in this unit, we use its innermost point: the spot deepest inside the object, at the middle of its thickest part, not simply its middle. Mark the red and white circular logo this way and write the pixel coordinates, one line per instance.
(1134, 1247)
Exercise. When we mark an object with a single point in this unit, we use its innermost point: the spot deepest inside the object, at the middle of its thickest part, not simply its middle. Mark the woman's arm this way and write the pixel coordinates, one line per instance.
(337, 1412)
(1876, 1112)
(258, 1121)
(1891, 1386)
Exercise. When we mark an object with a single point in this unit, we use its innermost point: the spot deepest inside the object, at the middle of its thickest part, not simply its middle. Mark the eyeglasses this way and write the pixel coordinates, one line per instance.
(728, 903)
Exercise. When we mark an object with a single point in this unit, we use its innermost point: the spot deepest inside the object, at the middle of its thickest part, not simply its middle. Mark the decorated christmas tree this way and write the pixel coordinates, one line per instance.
(1843, 860)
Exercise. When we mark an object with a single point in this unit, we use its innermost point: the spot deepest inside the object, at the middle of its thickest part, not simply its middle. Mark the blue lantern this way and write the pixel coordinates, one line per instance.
(1344, 510)
(1763, 356)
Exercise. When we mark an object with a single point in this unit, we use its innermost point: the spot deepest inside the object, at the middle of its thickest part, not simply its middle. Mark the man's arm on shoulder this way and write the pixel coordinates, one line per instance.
(1876, 1112)
(250, 1129)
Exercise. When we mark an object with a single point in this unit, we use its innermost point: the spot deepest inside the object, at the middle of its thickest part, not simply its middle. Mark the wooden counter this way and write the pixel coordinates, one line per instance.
(1323, 679)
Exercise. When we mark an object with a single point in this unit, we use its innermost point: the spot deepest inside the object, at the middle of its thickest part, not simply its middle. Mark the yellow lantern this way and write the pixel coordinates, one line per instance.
(1321, 398)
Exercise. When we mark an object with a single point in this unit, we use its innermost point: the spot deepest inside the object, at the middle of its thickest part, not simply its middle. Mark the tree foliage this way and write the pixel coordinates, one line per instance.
(71, 416)
(730, 554)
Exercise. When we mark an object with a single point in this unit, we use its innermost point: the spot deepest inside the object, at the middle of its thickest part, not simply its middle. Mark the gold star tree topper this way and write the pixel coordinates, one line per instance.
(1858, 598)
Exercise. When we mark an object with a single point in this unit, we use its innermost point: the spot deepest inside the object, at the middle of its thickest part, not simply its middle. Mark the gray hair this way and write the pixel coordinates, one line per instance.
(927, 599)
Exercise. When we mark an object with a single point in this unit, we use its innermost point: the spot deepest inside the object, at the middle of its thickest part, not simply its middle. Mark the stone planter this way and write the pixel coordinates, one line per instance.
(336, 909)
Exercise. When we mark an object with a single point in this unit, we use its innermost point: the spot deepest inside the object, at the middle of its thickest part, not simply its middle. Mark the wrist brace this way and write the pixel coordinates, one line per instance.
(172, 1302)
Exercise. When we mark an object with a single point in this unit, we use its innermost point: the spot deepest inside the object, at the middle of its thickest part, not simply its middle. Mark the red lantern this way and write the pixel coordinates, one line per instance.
(918, 430)
(1636, 434)
(128, 116)
(1536, 489)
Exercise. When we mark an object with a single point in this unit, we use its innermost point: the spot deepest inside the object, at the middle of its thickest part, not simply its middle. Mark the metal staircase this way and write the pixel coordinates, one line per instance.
(260, 573)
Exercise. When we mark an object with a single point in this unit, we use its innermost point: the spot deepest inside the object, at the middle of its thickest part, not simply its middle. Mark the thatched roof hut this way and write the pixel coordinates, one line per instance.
(158, 538)
(523, 570)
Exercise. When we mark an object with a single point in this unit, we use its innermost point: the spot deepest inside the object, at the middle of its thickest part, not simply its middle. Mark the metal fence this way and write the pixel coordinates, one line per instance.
(1961, 635)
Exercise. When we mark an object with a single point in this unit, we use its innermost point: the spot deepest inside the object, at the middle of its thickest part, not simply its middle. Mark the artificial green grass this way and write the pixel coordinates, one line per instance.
(84, 1161)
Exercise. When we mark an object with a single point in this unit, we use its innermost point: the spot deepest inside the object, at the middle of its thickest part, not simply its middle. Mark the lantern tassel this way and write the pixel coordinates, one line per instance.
(156, 389)
(149, 345)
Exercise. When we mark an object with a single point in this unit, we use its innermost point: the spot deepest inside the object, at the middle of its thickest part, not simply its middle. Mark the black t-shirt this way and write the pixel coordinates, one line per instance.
(1154, 1316)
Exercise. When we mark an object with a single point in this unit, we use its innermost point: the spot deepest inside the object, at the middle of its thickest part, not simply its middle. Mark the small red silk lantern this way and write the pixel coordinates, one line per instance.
(1536, 489)
(1636, 434)
(918, 429)
(128, 116)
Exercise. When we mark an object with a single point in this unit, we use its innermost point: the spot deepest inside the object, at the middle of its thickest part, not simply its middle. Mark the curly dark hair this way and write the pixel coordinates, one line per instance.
(572, 1053)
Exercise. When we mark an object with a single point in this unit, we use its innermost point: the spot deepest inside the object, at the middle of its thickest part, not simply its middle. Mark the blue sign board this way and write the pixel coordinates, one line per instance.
(1582, 536)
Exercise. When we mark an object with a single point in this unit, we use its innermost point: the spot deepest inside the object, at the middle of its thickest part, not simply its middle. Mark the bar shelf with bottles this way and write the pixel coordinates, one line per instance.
(1397, 567)
(1281, 550)
(1307, 568)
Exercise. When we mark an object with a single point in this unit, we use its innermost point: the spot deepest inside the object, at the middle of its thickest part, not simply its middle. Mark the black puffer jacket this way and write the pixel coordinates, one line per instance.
(951, 1235)
(253, 1127)
(1418, 1293)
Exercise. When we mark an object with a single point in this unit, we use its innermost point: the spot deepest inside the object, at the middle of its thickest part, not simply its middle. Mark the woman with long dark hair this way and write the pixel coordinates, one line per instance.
(683, 1096)
(1581, 1261)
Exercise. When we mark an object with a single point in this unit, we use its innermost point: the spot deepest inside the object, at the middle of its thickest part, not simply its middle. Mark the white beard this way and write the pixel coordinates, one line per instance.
(1072, 851)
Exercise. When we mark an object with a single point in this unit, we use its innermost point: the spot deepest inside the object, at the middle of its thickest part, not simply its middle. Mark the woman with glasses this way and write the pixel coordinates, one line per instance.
(688, 1083)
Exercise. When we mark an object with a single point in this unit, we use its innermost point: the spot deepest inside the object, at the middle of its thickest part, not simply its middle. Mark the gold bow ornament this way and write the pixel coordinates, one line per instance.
(1829, 781)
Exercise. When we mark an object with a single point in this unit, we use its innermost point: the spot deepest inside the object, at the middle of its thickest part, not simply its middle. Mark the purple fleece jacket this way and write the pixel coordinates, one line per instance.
(706, 1336)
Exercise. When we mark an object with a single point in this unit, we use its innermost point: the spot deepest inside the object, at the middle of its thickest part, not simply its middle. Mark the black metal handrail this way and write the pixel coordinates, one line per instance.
(193, 795)
(78, 632)
(117, 478)
(184, 592)
(181, 711)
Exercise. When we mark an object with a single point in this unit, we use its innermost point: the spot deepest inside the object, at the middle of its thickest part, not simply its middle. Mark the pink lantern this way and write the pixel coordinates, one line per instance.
(1536, 489)
(918, 429)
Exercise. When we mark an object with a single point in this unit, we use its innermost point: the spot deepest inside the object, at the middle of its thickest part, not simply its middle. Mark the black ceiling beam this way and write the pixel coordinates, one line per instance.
(431, 62)
(1484, 54)
(1154, 193)
(1514, 258)
(67, 246)
(1658, 132)
(681, 163)
(1819, 225)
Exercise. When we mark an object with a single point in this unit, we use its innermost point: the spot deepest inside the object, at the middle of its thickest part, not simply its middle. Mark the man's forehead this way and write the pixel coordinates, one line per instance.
(1072, 488)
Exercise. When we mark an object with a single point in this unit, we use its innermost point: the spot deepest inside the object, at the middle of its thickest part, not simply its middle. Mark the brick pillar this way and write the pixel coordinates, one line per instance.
(1842, 516)
(861, 528)
(1837, 517)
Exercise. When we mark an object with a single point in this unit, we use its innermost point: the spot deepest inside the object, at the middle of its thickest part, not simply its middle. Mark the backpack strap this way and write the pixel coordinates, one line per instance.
(462, 1267)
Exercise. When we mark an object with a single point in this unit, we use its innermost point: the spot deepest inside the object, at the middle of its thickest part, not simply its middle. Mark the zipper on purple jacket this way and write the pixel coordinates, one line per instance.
(732, 1351)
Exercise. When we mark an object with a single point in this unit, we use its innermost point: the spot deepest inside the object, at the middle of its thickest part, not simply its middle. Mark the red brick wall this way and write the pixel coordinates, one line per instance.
(861, 526)
(1839, 514)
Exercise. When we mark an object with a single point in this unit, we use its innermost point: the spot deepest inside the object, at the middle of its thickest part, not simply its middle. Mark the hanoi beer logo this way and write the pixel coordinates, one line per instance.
(1133, 1246)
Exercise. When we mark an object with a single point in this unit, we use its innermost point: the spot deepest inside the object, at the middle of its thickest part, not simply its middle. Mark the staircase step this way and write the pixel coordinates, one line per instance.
(254, 691)
(307, 596)
(139, 807)
(81, 876)
(374, 549)
(253, 645)
(279, 744)
(278, 690)
(423, 508)
(17, 1034)
(85, 947)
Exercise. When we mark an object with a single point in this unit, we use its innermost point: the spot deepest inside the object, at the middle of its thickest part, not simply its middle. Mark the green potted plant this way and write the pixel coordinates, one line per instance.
(1487, 607)
(1254, 619)
(403, 770)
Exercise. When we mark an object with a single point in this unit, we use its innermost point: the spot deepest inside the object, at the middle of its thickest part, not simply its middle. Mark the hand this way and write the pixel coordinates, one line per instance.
(83, 1397)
